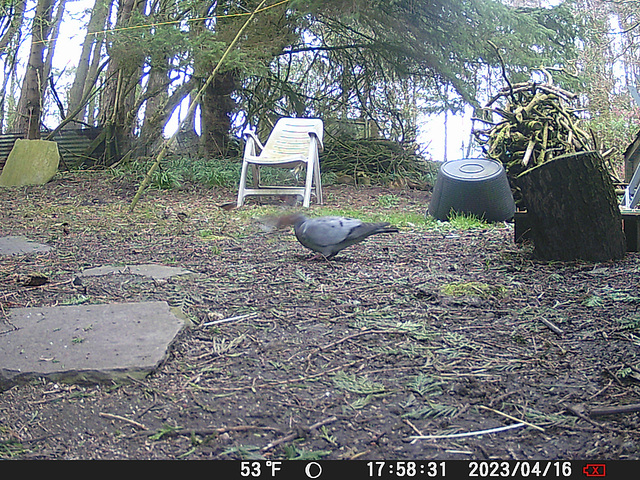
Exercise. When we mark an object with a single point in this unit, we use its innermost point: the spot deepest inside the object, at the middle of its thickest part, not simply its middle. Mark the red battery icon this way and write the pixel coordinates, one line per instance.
(594, 470)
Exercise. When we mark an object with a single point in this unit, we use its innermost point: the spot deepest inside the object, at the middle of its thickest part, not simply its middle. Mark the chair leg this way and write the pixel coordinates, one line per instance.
(316, 168)
(308, 185)
(243, 181)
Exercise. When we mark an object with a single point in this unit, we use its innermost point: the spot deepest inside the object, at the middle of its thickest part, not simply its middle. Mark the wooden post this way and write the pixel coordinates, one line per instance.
(573, 210)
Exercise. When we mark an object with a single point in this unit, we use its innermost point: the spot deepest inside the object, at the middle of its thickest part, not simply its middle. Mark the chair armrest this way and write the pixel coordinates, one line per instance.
(251, 136)
(315, 135)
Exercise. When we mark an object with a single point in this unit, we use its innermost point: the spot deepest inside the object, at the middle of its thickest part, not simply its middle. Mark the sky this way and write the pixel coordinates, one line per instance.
(431, 134)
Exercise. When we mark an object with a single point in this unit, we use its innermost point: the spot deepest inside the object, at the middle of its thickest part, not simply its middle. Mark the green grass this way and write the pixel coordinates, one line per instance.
(632, 323)
(425, 385)
(176, 172)
(357, 384)
(398, 217)
(388, 200)
(292, 452)
(407, 220)
(467, 221)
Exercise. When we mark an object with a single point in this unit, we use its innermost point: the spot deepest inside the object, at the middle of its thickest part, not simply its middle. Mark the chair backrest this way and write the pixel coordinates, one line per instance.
(290, 136)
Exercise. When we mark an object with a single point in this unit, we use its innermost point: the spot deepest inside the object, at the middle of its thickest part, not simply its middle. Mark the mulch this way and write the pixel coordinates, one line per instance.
(402, 347)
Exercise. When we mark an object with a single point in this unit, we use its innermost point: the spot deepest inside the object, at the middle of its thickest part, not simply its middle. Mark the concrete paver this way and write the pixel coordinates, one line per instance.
(157, 272)
(86, 343)
(19, 245)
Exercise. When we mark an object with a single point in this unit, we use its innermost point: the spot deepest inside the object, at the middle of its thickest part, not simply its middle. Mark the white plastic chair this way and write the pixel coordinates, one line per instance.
(293, 142)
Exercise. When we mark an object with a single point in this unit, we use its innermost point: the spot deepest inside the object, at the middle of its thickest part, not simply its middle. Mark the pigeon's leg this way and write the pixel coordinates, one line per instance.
(319, 257)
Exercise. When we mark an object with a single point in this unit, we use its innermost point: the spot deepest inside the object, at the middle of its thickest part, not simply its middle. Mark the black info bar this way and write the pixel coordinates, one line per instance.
(352, 469)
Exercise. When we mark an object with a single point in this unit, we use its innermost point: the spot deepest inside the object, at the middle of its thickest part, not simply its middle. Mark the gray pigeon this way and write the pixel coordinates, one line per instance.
(329, 235)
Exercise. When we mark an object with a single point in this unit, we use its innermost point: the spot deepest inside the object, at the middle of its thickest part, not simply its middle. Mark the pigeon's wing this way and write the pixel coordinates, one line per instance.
(328, 231)
(362, 231)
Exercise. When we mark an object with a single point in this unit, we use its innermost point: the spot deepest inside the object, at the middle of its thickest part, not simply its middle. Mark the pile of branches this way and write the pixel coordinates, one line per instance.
(536, 125)
(376, 161)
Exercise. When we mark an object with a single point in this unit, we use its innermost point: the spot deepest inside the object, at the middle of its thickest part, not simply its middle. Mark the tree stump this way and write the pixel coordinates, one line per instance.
(573, 210)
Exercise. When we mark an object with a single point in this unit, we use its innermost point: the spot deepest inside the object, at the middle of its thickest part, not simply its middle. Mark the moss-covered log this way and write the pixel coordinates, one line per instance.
(572, 209)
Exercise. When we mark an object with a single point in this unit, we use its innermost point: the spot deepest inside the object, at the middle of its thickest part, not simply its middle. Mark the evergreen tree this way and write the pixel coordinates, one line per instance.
(379, 61)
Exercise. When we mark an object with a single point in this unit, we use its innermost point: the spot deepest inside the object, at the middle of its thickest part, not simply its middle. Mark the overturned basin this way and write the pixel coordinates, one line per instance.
(477, 186)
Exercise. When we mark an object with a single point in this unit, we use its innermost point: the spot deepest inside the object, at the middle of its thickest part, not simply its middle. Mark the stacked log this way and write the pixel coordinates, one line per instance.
(536, 125)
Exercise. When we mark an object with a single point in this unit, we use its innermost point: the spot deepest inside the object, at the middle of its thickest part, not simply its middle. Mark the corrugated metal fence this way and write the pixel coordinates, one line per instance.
(77, 147)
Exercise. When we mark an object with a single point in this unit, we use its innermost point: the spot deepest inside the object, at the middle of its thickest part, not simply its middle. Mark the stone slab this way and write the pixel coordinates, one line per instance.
(157, 272)
(18, 245)
(86, 343)
(30, 162)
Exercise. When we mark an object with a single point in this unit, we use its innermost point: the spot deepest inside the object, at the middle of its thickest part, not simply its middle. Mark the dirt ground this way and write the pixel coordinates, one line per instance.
(421, 333)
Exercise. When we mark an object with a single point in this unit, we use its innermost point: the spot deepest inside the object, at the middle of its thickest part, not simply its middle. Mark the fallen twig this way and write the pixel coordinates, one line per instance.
(294, 435)
(207, 432)
(634, 407)
(552, 327)
(230, 319)
(123, 419)
(511, 418)
(469, 434)
(254, 386)
(415, 429)
(577, 411)
(355, 335)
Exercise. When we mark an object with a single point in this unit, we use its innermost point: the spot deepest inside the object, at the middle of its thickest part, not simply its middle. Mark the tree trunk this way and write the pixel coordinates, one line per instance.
(10, 35)
(572, 209)
(216, 107)
(82, 81)
(11, 23)
(56, 23)
(153, 125)
(92, 108)
(118, 97)
(216, 103)
(30, 103)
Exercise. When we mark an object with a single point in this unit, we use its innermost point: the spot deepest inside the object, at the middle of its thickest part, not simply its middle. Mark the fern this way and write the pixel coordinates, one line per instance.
(425, 385)
(624, 372)
(630, 323)
(432, 410)
(360, 385)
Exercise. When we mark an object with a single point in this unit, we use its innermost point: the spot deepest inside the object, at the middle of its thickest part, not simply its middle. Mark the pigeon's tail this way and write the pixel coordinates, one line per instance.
(271, 222)
(289, 220)
(367, 229)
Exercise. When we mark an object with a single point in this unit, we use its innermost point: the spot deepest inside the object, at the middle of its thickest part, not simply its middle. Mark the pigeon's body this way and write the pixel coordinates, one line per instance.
(329, 235)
